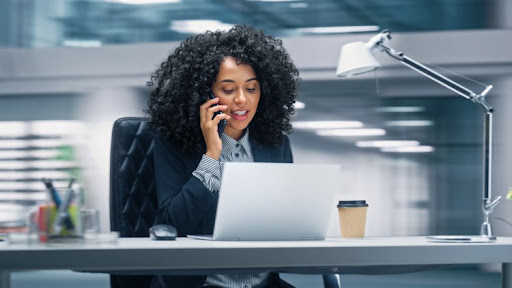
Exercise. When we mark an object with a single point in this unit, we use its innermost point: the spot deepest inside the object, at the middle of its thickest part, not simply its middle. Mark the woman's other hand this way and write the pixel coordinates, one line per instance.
(209, 126)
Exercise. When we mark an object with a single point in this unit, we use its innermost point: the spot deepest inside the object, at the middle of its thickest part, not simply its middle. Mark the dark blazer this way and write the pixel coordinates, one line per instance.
(188, 205)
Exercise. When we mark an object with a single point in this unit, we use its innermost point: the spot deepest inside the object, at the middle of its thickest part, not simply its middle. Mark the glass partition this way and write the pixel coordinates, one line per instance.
(93, 23)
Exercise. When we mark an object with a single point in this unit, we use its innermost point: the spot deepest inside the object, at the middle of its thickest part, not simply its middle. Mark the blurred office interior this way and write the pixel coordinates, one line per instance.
(69, 68)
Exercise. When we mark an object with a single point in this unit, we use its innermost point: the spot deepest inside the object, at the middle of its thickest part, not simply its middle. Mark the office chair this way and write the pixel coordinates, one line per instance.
(133, 200)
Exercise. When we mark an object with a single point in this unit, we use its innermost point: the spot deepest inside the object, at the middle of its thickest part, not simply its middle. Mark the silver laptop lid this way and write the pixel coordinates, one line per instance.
(275, 201)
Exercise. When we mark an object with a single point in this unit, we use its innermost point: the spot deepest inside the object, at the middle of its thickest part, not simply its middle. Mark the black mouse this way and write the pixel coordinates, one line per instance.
(162, 232)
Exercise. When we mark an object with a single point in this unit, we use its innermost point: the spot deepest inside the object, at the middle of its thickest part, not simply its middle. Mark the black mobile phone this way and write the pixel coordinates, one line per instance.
(223, 122)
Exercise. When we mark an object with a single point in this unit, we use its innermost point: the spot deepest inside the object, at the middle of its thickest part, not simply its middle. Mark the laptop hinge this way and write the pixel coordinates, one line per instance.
(230, 239)
(309, 238)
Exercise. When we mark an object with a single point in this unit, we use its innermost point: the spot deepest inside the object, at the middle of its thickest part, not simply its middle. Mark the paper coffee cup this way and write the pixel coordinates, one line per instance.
(352, 216)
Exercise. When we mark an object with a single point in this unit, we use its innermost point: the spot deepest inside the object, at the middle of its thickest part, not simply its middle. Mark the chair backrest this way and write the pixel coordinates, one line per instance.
(133, 201)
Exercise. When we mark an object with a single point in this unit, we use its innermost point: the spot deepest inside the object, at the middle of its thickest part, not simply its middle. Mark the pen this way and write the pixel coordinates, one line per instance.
(53, 192)
(71, 182)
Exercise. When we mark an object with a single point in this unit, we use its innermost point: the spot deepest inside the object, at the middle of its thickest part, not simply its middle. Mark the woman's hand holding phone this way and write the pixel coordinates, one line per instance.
(209, 126)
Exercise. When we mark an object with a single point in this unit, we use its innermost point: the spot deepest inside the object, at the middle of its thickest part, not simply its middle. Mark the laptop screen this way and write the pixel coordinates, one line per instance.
(275, 201)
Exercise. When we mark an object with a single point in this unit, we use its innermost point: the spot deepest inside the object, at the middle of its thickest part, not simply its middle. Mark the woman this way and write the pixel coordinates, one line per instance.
(252, 81)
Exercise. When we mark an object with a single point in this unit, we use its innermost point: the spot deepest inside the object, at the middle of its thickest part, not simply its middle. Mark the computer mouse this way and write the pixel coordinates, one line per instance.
(162, 232)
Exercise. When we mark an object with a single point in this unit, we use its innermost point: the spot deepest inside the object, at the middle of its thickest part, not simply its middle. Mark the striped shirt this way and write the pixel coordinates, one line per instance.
(209, 171)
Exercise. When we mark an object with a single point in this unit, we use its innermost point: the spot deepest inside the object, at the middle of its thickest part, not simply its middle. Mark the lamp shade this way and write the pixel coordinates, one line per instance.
(356, 58)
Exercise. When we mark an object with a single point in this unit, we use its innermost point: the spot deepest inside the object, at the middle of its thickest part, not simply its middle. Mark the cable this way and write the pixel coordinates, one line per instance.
(452, 73)
(377, 88)
(501, 219)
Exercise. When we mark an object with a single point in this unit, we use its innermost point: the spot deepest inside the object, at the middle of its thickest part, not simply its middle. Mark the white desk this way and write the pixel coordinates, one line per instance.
(187, 256)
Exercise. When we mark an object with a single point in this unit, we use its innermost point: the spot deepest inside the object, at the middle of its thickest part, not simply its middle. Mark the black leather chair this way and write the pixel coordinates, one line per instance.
(133, 200)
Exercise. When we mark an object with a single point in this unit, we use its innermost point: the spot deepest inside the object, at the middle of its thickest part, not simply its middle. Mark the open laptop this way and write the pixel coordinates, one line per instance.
(274, 201)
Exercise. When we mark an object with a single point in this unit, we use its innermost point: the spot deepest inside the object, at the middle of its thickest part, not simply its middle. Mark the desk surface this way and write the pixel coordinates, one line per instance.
(188, 256)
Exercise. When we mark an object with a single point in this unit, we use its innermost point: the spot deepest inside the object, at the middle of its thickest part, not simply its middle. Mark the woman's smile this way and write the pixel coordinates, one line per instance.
(240, 115)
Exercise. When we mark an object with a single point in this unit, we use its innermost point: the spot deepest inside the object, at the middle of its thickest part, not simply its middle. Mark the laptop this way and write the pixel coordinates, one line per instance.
(274, 201)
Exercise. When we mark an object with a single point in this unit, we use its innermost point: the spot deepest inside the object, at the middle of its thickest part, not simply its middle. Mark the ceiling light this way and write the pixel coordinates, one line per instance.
(81, 43)
(337, 29)
(387, 143)
(271, 0)
(299, 5)
(299, 105)
(326, 124)
(143, 2)
(198, 26)
(352, 132)
(408, 149)
(411, 123)
(400, 109)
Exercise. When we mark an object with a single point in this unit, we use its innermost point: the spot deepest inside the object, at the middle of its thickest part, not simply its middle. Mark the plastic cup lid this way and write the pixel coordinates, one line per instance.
(353, 203)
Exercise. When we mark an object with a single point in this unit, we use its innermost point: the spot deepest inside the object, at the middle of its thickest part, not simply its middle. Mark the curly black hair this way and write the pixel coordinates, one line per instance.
(184, 80)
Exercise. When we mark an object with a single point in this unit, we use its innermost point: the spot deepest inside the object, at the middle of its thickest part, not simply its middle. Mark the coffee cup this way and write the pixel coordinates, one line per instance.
(352, 216)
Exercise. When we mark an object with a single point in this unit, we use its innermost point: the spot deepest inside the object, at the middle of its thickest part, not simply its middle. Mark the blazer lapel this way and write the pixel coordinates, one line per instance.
(259, 153)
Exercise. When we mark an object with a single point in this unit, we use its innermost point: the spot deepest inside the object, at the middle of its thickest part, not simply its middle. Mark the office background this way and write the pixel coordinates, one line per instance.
(68, 69)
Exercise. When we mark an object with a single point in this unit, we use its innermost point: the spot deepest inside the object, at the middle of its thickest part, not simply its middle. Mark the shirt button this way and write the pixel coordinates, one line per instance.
(237, 145)
(236, 155)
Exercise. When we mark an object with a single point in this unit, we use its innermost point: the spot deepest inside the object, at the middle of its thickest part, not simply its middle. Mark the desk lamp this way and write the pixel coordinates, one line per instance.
(357, 58)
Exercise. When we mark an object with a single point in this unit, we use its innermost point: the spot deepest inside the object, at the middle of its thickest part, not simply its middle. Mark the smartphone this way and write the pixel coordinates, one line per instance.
(223, 122)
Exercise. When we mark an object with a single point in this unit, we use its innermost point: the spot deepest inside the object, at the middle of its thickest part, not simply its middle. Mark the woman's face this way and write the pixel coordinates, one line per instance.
(237, 87)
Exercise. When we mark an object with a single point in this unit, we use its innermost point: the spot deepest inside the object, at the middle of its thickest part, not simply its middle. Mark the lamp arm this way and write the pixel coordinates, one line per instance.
(439, 78)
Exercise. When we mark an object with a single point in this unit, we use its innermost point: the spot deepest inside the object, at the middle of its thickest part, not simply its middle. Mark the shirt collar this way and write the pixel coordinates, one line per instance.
(230, 145)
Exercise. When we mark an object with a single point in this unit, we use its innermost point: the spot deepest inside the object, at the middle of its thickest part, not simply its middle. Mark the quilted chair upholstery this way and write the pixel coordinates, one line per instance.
(133, 202)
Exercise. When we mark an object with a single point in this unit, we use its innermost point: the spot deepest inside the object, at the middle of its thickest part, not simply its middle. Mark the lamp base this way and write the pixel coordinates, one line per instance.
(461, 238)
(486, 230)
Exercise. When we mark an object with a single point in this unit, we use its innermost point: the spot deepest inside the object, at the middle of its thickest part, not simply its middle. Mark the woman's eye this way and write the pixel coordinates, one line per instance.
(251, 89)
(229, 91)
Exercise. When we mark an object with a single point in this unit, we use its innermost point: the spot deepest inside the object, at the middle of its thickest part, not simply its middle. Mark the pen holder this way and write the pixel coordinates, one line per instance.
(60, 221)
